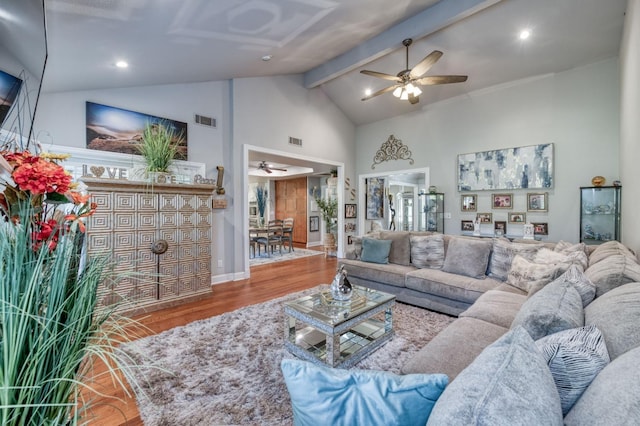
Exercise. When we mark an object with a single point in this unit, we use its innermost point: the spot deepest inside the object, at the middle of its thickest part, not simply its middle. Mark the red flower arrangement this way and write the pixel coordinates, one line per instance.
(38, 182)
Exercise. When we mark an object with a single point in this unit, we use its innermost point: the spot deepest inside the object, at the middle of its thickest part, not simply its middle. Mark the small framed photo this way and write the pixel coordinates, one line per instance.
(349, 227)
(349, 239)
(500, 228)
(517, 217)
(350, 211)
(540, 228)
(485, 217)
(467, 225)
(253, 211)
(468, 202)
(314, 223)
(502, 201)
(537, 202)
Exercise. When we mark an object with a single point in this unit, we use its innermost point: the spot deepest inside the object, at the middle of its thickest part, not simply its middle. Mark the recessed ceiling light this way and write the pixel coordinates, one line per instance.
(524, 34)
(267, 57)
(122, 64)
(367, 92)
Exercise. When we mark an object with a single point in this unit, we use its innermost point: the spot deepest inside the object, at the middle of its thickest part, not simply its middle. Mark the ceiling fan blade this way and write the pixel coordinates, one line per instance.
(278, 169)
(381, 75)
(441, 79)
(424, 65)
(266, 169)
(380, 92)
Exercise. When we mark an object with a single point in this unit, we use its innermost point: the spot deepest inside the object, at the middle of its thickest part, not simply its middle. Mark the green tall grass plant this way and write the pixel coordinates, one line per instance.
(159, 146)
(52, 329)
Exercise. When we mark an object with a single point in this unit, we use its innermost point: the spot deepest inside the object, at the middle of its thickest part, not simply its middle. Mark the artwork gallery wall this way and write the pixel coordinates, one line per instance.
(576, 110)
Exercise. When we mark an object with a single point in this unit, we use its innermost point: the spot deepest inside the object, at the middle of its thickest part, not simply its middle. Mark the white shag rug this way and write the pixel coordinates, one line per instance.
(225, 370)
(277, 257)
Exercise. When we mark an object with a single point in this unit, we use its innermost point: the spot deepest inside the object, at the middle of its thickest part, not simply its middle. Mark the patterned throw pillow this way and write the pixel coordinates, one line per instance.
(503, 253)
(527, 275)
(565, 259)
(427, 251)
(575, 357)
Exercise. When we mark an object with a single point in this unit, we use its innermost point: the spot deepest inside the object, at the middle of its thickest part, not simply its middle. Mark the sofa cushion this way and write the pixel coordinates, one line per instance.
(496, 307)
(556, 307)
(509, 383)
(610, 248)
(375, 251)
(613, 272)
(567, 247)
(527, 275)
(454, 348)
(400, 253)
(612, 397)
(322, 395)
(427, 251)
(467, 257)
(510, 289)
(617, 316)
(447, 285)
(384, 273)
(576, 277)
(575, 357)
(503, 253)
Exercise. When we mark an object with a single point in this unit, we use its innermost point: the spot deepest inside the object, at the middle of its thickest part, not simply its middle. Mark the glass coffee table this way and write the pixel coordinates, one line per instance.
(338, 334)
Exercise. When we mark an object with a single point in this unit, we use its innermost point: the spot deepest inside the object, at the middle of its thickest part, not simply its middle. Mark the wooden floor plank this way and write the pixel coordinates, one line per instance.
(267, 282)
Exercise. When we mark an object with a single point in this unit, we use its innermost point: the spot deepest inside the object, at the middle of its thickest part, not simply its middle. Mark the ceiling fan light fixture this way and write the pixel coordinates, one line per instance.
(405, 95)
(397, 92)
(416, 91)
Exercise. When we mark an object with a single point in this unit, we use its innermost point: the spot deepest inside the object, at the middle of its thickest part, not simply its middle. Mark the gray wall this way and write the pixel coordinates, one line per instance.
(577, 110)
(630, 125)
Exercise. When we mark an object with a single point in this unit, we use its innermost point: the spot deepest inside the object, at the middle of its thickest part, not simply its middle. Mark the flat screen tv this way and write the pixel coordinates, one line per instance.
(9, 89)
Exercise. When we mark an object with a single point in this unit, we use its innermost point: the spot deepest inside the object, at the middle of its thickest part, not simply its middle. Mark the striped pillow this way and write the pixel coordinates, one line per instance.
(427, 251)
(575, 357)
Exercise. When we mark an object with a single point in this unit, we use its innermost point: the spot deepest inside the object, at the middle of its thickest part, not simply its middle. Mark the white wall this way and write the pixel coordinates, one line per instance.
(268, 110)
(61, 121)
(577, 110)
(630, 125)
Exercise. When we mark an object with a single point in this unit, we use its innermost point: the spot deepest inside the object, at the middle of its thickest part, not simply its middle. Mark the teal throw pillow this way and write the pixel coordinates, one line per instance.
(327, 396)
(375, 251)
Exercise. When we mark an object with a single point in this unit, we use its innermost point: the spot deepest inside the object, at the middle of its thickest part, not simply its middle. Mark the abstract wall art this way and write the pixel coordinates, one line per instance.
(511, 168)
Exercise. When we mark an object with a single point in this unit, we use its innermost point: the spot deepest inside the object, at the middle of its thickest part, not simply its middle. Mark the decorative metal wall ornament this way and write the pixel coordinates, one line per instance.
(392, 149)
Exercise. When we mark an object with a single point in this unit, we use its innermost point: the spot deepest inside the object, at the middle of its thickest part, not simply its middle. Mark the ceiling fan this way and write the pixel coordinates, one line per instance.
(268, 168)
(409, 79)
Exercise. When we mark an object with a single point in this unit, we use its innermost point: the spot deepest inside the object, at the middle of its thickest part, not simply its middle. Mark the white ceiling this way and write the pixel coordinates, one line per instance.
(329, 41)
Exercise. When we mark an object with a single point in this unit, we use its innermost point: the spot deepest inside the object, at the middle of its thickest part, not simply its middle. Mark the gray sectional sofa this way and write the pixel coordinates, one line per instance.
(533, 305)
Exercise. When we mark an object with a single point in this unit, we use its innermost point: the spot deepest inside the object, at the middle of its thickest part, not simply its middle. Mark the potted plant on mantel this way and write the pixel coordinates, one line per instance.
(159, 147)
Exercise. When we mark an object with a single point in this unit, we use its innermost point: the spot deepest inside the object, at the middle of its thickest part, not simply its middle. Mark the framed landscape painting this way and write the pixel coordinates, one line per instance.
(9, 89)
(120, 130)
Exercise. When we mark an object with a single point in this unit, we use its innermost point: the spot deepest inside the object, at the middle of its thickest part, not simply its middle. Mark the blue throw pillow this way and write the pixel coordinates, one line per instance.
(375, 251)
(327, 396)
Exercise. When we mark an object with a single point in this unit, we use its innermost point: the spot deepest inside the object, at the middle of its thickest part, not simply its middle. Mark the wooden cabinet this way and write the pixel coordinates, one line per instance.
(131, 219)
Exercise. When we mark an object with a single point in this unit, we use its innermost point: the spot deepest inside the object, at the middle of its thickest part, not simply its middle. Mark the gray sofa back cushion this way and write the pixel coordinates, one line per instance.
(612, 397)
(617, 315)
(613, 272)
(610, 248)
(556, 307)
(427, 251)
(467, 257)
(400, 247)
(509, 383)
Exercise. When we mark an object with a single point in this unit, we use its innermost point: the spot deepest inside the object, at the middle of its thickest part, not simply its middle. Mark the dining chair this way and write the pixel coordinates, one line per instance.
(272, 237)
(287, 232)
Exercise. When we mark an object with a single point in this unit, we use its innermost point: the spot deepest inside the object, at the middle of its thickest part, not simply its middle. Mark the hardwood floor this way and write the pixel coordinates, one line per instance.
(266, 282)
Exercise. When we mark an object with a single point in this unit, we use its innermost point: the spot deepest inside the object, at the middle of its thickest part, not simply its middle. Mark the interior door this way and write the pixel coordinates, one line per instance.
(291, 201)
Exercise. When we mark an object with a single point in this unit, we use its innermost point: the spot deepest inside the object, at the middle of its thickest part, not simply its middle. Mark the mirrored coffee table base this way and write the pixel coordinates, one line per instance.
(338, 334)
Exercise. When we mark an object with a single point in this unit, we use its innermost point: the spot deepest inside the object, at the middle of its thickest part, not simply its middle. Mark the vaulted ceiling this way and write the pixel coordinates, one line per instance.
(329, 41)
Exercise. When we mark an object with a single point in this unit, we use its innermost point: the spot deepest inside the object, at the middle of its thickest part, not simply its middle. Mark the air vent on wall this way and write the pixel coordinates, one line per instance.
(206, 121)
(295, 141)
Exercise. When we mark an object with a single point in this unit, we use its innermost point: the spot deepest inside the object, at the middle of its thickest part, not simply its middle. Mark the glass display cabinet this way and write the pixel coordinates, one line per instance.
(431, 216)
(599, 214)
